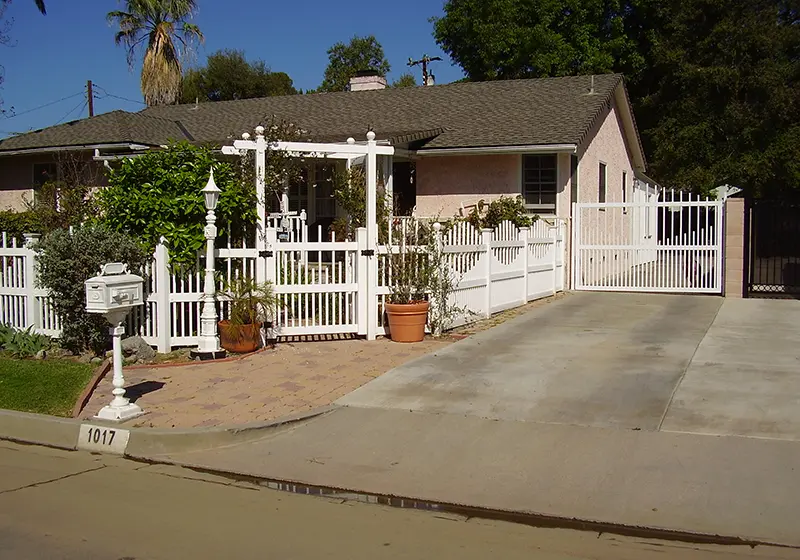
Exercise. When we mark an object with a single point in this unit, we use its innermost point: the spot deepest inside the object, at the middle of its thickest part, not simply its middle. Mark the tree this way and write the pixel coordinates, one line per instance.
(406, 80)
(163, 25)
(505, 39)
(362, 53)
(228, 75)
(714, 83)
(725, 109)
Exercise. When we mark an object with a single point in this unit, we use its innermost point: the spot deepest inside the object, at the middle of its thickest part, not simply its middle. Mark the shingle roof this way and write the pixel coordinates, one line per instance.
(467, 114)
(116, 127)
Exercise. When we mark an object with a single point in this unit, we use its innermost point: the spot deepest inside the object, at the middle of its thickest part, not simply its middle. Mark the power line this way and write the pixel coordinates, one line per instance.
(80, 105)
(107, 94)
(45, 105)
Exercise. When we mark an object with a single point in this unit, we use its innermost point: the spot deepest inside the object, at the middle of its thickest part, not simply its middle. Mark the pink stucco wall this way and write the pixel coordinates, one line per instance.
(445, 184)
(605, 144)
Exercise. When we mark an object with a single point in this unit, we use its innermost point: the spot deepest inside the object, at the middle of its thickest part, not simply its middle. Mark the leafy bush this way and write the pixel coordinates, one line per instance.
(17, 223)
(504, 208)
(159, 194)
(66, 260)
(22, 344)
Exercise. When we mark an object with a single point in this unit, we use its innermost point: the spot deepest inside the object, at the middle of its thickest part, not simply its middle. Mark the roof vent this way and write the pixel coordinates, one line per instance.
(367, 80)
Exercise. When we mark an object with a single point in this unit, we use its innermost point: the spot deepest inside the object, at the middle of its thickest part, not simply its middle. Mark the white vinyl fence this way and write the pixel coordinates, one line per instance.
(323, 287)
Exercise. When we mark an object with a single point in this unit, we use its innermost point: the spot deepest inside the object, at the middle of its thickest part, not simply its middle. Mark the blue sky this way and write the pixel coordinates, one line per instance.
(53, 56)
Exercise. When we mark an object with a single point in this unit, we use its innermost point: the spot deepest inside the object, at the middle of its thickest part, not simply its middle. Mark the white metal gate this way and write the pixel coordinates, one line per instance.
(667, 243)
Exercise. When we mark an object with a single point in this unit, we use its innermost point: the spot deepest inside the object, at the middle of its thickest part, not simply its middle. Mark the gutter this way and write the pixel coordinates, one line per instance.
(86, 147)
(489, 150)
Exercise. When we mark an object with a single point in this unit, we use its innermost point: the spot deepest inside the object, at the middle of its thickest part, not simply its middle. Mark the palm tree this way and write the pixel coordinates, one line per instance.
(40, 5)
(162, 24)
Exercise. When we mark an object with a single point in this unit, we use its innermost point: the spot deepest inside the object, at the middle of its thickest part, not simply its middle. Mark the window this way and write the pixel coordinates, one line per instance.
(601, 194)
(44, 173)
(539, 182)
(325, 204)
(624, 191)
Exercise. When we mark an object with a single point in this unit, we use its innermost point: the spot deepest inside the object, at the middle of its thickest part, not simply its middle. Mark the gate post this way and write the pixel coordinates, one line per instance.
(486, 243)
(163, 307)
(523, 236)
(362, 295)
(733, 248)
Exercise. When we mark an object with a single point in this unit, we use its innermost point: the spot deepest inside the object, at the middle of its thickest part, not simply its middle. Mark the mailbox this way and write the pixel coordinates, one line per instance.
(115, 289)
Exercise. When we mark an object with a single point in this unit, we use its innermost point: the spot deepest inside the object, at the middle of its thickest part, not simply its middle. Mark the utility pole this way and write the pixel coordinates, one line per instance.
(90, 95)
(427, 78)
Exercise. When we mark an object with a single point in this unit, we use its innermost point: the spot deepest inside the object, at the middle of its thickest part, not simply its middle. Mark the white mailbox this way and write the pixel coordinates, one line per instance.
(114, 290)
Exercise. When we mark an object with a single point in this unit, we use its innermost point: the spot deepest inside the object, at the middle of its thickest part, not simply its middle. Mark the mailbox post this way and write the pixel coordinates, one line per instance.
(113, 294)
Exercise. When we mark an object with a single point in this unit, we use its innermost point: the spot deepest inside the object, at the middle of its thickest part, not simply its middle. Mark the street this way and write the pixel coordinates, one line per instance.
(59, 504)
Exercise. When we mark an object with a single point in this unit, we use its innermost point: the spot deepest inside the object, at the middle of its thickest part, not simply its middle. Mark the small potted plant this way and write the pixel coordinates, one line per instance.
(411, 272)
(250, 305)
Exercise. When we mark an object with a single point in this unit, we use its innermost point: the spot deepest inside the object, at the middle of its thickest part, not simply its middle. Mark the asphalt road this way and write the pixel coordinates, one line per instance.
(61, 505)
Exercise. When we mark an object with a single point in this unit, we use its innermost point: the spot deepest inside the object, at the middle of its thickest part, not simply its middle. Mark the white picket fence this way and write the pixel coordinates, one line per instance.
(324, 287)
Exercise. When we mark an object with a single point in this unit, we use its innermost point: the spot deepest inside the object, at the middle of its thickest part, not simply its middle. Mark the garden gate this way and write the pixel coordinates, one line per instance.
(672, 243)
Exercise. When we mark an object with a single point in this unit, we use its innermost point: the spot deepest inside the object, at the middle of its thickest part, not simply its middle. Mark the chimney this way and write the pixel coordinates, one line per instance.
(366, 80)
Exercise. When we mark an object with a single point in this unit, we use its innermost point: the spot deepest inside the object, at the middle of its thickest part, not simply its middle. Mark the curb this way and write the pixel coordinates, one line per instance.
(64, 433)
(99, 373)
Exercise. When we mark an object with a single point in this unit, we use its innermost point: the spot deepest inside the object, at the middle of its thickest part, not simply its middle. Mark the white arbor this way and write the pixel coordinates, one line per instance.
(350, 151)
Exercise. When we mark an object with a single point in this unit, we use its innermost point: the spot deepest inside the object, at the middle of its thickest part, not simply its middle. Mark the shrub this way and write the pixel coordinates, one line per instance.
(66, 260)
(159, 194)
(17, 223)
(504, 208)
(22, 344)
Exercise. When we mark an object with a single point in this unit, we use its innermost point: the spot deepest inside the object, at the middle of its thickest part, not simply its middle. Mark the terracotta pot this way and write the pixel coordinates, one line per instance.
(239, 339)
(407, 321)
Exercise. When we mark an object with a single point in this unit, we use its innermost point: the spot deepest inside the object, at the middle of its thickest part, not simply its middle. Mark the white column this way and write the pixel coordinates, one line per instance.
(163, 307)
(361, 280)
(372, 238)
(261, 201)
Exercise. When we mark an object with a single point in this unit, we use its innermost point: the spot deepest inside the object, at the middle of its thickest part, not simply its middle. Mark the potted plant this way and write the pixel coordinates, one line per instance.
(411, 272)
(250, 305)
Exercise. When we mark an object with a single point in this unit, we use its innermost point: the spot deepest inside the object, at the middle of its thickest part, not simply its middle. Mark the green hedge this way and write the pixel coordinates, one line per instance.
(17, 223)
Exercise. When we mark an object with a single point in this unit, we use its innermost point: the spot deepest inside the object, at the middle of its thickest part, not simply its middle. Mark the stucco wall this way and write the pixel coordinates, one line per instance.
(606, 143)
(446, 183)
(16, 177)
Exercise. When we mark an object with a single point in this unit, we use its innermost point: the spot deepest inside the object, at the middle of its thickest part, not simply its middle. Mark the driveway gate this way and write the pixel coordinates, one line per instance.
(667, 243)
(774, 253)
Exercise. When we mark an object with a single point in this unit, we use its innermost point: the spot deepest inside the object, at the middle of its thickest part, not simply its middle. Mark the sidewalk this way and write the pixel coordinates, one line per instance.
(293, 377)
(711, 485)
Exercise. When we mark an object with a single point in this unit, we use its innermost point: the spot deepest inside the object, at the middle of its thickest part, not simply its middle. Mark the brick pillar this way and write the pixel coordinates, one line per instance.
(734, 248)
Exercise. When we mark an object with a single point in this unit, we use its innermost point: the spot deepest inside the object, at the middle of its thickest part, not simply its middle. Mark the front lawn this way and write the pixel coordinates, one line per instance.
(43, 386)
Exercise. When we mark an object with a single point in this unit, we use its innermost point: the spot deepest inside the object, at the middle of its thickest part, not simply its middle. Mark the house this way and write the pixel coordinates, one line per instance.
(553, 140)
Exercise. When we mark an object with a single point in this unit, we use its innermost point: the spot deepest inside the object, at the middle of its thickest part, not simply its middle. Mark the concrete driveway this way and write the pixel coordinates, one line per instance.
(606, 360)
(633, 361)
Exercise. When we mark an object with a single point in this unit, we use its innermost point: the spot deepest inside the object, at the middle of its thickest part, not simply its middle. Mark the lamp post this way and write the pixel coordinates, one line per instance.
(208, 344)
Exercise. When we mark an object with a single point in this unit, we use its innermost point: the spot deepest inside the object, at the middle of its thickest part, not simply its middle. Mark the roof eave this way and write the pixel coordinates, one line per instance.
(498, 150)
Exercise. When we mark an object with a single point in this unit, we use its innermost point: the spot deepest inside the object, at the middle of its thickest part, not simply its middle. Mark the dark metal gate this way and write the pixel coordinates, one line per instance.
(774, 253)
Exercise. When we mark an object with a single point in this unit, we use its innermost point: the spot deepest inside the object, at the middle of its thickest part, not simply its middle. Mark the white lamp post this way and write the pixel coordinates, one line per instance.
(208, 343)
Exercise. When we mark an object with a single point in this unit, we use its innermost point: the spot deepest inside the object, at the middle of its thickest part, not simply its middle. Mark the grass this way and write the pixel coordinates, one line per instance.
(42, 386)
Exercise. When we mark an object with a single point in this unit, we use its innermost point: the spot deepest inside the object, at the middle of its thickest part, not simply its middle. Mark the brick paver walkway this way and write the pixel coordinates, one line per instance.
(291, 378)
